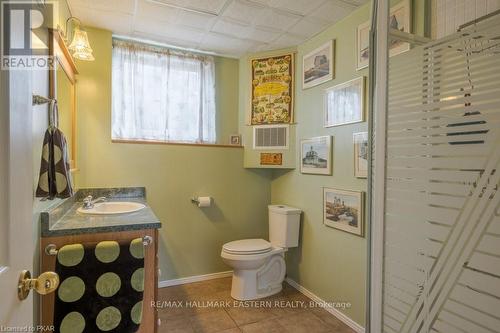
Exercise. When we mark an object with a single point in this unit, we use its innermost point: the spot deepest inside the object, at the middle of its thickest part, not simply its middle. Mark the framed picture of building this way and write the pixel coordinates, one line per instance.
(399, 19)
(344, 103)
(272, 90)
(360, 154)
(344, 210)
(316, 155)
(318, 66)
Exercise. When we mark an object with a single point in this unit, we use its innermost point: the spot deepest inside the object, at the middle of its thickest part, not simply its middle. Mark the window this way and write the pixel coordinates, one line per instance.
(162, 95)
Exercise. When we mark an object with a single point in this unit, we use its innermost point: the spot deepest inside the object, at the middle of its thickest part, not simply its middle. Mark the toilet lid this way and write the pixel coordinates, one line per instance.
(247, 246)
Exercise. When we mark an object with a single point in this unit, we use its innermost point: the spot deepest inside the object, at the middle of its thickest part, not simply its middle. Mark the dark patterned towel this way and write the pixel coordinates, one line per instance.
(55, 176)
(101, 288)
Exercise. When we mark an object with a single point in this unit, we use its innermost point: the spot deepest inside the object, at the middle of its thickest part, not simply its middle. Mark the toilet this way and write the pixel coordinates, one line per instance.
(258, 265)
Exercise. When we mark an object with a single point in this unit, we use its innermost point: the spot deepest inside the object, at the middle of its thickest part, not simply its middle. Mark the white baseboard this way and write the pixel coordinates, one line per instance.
(196, 278)
(340, 315)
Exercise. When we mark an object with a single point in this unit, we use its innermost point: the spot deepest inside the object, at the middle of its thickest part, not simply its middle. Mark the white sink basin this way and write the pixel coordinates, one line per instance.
(110, 208)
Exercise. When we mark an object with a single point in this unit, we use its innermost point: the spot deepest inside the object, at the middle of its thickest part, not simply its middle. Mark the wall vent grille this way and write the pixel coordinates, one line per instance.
(270, 137)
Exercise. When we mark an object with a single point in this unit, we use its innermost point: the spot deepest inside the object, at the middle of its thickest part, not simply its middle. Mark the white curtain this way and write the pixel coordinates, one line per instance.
(162, 95)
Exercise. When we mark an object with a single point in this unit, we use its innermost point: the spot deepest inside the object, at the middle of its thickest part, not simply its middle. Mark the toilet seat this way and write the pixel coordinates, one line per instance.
(247, 247)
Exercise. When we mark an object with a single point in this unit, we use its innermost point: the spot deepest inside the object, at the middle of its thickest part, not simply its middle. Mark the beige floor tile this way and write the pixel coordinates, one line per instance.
(176, 325)
(208, 287)
(305, 322)
(246, 315)
(174, 313)
(231, 330)
(331, 320)
(286, 305)
(205, 309)
(289, 290)
(211, 322)
(264, 326)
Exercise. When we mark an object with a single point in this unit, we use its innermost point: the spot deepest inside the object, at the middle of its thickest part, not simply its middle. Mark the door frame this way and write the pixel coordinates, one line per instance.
(379, 61)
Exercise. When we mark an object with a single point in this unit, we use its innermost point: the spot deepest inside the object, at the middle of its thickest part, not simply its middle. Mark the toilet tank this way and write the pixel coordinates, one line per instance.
(284, 225)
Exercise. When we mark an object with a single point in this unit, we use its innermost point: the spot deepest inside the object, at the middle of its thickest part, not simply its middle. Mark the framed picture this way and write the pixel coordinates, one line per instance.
(344, 103)
(318, 66)
(399, 19)
(360, 154)
(235, 140)
(316, 155)
(272, 90)
(363, 44)
(344, 210)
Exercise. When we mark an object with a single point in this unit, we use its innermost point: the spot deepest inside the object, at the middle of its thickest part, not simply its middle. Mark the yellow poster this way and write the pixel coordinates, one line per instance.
(272, 90)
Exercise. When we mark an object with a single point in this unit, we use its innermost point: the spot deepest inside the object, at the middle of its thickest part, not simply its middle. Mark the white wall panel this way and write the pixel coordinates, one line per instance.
(451, 14)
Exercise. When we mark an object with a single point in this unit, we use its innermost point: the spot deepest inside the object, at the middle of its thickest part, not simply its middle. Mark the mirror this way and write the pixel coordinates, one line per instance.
(63, 88)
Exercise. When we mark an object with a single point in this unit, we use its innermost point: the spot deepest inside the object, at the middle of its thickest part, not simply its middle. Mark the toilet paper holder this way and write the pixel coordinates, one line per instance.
(202, 201)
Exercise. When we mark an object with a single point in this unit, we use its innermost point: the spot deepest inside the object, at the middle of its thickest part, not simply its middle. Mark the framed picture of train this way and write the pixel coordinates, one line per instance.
(344, 210)
(318, 66)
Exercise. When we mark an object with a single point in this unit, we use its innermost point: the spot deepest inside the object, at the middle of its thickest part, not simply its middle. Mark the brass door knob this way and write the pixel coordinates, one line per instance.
(44, 284)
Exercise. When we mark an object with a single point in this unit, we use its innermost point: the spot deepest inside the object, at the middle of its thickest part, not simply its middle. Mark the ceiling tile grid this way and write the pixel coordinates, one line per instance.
(224, 27)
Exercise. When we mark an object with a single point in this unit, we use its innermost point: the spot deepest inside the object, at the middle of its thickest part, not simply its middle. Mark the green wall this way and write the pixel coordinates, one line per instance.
(329, 262)
(191, 238)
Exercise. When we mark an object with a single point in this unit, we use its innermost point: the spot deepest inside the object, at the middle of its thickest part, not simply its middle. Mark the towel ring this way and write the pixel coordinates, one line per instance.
(51, 249)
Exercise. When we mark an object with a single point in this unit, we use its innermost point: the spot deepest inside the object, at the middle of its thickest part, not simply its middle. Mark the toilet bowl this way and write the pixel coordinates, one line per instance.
(257, 273)
(258, 265)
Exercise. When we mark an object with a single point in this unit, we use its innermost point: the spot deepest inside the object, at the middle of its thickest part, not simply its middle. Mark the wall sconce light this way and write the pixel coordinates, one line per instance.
(79, 46)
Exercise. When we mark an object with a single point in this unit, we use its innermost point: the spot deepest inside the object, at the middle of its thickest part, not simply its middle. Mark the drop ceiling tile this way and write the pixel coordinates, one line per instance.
(196, 20)
(287, 40)
(300, 7)
(244, 11)
(308, 27)
(113, 21)
(232, 27)
(170, 41)
(162, 29)
(332, 11)
(122, 6)
(277, 19)
(220, 41)
(148, 10)
(209, 6)
(264, 35)
(154, 10)
(261, 2)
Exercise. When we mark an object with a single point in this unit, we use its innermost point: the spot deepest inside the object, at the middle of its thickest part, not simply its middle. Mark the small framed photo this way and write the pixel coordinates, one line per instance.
(344, 210)
(316, 155)
(360, 154)
(235, 140)
(318, 66)
(344, 103)
(399, 19)
(363, 44)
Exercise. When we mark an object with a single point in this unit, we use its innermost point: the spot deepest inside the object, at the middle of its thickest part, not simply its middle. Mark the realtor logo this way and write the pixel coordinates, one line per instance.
(24, 34)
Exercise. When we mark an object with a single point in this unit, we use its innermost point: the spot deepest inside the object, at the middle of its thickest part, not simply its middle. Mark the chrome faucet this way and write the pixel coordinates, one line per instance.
(89, 202)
